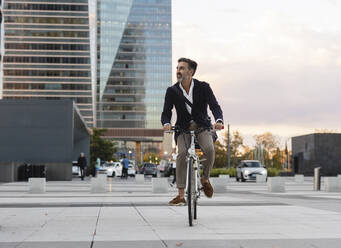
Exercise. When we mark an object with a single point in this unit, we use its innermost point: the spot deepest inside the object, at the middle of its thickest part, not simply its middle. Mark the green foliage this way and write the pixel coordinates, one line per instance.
(215, 172)
(220, 156)
(151, 157)
(100, 147)
(272, 172)
(221, 151)
(276, 160)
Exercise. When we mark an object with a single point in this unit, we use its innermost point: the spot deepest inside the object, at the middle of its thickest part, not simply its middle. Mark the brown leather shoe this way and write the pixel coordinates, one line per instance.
(207, 187)
(177, 201)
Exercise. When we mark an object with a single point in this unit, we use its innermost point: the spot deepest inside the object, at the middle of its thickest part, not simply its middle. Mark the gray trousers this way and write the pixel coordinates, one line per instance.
(206, 144)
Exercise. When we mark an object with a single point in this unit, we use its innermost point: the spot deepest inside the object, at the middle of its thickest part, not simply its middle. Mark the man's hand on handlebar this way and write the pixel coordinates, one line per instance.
(167, 127)
(218, 126)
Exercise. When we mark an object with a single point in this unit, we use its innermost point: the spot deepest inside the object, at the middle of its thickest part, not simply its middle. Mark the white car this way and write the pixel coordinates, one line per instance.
(113, 169)
(131, 170)
(248, 169)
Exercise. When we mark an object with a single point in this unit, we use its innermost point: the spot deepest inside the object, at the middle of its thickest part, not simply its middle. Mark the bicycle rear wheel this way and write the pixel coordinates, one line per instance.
(190, 190)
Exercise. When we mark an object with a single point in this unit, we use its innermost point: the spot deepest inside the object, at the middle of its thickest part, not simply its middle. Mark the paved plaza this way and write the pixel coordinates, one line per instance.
(130, 215)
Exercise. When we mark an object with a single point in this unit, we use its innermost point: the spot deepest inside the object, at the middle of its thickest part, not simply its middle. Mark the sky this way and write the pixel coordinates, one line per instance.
(274, 65)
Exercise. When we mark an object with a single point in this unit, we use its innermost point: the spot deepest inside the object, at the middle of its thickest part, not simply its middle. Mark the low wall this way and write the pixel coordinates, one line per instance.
(9, 172)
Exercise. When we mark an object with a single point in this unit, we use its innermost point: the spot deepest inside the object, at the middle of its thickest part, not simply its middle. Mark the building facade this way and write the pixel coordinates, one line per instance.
(134, 67)
(41, 132)
(112, 57)
(45, 52)
(317, 150)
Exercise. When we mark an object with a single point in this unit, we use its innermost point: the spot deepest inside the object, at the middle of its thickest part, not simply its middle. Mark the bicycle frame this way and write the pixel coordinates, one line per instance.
(192, 155)
(192, 187)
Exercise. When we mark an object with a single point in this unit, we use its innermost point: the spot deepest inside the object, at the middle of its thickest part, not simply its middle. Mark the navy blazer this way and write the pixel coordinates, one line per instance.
(202, 97)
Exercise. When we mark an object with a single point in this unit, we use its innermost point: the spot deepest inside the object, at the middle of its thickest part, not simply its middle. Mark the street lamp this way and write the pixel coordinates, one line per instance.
(130, 154)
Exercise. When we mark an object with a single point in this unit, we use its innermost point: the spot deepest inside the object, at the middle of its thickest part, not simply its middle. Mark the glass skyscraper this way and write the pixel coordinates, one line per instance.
(45, 52)
(113, 57)
(134, 67)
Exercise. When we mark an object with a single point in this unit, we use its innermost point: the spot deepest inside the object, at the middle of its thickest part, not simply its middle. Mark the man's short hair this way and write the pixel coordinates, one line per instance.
(191, 64)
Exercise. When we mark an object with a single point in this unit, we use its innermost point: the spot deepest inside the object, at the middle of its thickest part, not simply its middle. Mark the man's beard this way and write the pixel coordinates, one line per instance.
(180, 77)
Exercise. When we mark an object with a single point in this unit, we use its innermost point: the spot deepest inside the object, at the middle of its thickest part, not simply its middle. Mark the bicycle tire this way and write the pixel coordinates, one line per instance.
(190, 203)
(195, 196)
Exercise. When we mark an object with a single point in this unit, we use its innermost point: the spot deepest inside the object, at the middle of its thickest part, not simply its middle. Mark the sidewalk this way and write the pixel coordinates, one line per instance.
(130, 215)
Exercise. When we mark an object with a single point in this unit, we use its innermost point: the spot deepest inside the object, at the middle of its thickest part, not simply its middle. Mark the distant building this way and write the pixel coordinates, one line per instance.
(45, 52)
(134, 69)
(41, 132)
(317, 150)
(112, 57)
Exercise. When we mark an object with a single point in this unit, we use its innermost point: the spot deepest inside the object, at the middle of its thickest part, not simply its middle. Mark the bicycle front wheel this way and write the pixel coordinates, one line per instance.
(190, 192)
(195, 196)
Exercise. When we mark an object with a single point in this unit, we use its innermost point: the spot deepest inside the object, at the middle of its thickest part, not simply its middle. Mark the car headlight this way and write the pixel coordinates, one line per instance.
(263, 172)
(246, 172)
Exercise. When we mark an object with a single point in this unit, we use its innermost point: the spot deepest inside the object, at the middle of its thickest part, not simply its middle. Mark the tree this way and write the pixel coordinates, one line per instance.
(248, 153)
(100, 147)
(151, 157)
(267, 140)
(270, 145)
(276, 159)
(220, 155)
(221, 150)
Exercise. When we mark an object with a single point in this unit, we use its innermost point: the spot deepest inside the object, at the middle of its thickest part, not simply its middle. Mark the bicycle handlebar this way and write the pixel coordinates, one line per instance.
(179, 129)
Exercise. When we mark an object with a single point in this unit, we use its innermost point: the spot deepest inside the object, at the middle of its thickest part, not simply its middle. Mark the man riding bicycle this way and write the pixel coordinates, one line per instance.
(191, 115)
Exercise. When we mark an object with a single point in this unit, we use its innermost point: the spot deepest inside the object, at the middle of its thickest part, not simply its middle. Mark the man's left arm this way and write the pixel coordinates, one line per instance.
(215, 108)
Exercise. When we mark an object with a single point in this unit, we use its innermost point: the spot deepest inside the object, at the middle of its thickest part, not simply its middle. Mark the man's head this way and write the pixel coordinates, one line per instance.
(186, 69)
(82, 154)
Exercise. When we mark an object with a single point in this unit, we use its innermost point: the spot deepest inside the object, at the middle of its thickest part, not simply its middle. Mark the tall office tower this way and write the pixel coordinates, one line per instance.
(45, 49)
(134, 67)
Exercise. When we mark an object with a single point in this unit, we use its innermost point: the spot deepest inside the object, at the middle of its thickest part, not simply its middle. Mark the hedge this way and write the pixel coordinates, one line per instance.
(215, 172)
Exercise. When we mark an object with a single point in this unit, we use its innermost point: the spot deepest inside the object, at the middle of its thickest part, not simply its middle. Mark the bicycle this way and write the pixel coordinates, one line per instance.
(193, 175)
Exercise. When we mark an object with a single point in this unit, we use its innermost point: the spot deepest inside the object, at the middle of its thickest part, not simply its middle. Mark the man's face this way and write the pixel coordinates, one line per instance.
(183, 72)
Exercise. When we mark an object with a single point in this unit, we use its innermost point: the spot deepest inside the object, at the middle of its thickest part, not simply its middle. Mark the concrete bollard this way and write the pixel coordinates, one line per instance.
(99, 184)
(332, 184)
(339, 180)
(37, 185)
(139, 178)
(260, 179)
(226, 176)
(160, 185)
(219, 184)
(299, 179)
(276, 184)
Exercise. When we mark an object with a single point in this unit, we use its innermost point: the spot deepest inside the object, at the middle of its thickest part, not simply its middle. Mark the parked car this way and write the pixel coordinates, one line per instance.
(248, 169)
(75, 168)
(112, 169)
(131, 170)
(149, 169)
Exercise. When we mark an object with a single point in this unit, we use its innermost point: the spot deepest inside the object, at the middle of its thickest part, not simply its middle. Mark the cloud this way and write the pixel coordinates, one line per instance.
(275, 70)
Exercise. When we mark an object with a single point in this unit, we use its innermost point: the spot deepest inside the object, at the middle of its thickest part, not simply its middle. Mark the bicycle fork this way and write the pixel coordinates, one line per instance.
(191, 155)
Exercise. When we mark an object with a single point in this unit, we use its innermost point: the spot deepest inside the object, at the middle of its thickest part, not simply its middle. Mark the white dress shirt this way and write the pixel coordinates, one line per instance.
(189, 96)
